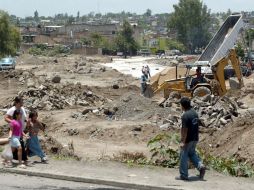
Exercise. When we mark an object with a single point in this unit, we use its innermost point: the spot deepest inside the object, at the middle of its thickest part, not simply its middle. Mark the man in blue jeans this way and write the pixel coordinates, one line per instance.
(189, 140)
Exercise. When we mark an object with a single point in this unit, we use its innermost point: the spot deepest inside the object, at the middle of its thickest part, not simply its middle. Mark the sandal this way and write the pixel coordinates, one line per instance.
(22, 166)
(7, 164)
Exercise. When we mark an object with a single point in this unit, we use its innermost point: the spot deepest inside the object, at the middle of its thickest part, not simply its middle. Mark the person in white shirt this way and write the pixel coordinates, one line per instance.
(18, 105)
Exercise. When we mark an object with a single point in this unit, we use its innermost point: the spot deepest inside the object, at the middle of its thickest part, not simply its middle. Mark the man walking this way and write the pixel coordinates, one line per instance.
(189, 140)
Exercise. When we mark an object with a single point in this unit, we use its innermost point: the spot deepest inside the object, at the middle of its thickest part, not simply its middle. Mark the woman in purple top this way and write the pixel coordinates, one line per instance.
(16, 132)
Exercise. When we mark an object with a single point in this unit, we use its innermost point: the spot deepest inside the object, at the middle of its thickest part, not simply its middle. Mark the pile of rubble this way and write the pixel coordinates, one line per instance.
(213, 111)
(58, 96)
(216, 111)
(18, 74)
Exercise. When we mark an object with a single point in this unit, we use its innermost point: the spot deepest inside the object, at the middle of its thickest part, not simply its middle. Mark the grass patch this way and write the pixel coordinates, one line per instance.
(162, 153)
(62, 157)
(230, 166)
(131, 158)
(42, 49)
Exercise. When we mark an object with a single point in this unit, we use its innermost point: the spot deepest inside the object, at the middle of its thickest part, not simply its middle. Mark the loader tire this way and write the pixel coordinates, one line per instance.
(201, 91)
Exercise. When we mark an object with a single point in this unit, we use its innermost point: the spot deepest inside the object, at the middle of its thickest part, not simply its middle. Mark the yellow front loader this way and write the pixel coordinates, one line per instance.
(213, 83)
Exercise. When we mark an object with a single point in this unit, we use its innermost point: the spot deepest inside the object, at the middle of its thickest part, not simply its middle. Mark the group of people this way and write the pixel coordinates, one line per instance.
(23, 134)
(144, 78)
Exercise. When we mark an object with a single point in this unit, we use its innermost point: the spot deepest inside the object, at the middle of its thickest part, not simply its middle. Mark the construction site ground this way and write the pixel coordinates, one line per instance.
(99, 137)
(87, 132)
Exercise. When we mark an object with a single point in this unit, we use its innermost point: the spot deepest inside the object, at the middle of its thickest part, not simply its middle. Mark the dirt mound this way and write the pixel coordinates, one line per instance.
(134, 106)
(235, 139)
(113, 94)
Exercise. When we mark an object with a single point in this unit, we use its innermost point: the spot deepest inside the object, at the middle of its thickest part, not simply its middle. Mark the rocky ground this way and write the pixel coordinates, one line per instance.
(94, 112)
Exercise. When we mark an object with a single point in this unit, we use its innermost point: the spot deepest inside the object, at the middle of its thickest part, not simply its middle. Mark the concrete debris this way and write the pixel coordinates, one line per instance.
(213, 111)
(165, 126)
(53, 97)
(234, 83)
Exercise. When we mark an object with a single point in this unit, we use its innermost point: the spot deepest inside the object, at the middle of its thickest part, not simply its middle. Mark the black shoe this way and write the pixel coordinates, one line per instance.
(182, 178)
(202, 172)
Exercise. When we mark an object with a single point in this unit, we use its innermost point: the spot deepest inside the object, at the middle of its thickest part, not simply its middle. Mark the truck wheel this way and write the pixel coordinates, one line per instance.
(201, 91)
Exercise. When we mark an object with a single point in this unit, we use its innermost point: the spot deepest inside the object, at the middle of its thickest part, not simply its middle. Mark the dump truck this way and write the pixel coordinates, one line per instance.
(217, 55)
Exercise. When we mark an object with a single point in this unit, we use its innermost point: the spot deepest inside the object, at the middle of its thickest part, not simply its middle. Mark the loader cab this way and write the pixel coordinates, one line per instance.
(197, 84)
(192, 80)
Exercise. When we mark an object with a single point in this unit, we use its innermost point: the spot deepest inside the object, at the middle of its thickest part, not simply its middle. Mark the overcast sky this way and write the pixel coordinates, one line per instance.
(24, 8)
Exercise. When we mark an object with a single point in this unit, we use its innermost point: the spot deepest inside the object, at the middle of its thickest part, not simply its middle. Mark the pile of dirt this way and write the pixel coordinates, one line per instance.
(135, 107)
(235, 140)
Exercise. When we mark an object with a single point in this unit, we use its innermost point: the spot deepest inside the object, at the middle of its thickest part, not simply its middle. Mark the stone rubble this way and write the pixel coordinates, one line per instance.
(213, 111)
(58, 96)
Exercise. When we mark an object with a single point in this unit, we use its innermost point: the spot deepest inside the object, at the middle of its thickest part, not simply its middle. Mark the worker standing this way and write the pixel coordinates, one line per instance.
(147, 70)
(189, 140)
(144, 80)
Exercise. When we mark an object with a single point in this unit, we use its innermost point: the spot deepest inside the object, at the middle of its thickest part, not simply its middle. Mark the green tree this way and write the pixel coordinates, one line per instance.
(70, 20)
(36, 16)
(174, 44)
(98, 15)
(96, 40)
(108, 47)
(9, 36)
(148, 12)
(224, 16)
(85, 41)
(125, 41)
(239, 50)
(78, 16)
(249, 36)
(191, 19)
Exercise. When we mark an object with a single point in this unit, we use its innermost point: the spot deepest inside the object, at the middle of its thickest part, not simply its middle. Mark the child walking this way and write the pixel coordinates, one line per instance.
(15, 133)
(33, 144)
